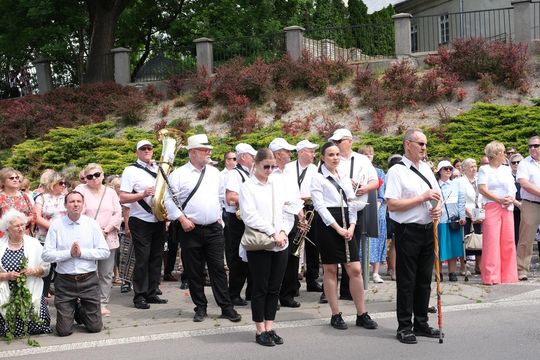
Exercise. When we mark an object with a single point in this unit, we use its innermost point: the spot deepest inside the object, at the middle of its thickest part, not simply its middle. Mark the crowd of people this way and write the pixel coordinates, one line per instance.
(312, 211)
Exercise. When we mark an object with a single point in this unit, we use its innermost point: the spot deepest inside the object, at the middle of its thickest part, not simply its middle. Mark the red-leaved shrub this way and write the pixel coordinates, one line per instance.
(400, 81)
(299, 126)
(362, 80)
(342, 101)
(378, 124)
(164, 111)
(152, 94)
(283, 103)
(327, 126)
(204, 113)
(203, 84)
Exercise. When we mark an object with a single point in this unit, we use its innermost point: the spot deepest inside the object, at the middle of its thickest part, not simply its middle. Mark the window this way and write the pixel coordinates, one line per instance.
(444, 29)
(414, 38)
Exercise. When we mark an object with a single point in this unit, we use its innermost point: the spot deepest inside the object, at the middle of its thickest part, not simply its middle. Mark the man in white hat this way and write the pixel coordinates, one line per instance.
(302, 171)
(238, 269)
(147, 233)
(196, 206)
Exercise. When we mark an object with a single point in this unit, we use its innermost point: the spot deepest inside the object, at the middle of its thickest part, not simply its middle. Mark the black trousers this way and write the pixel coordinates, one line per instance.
(414, 266)
(267, 269)
(204, 244)
(172, 247)
(238, 269)
(148, 239)
(290, 284)
(312, 256)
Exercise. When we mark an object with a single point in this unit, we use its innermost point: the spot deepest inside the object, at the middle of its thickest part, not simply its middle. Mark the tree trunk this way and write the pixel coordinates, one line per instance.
(103, 18)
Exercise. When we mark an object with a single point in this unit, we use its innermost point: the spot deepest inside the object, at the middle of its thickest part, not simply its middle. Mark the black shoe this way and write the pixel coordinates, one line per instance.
(314, 287)
(169, 277)
(452, 276)
(159, 292)
(441, 277)
(278, 340)
(141, 304)
(231, 314)
(366, 322)
(427, 332)
(346, 297)
(432, 310)
(125, 288)
(337, 322)
(238, 301)
(264, 339)
(290, 303)
(184, 285)
(156, 300)
(406, 337)
(200, 314)
(322, 299)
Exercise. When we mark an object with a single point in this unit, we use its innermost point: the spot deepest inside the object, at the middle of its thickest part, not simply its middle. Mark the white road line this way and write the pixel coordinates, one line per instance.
(519, 300)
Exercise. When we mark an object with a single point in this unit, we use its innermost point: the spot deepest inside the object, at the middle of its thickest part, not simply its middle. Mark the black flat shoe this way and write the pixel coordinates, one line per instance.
(428, 332)
(264, 339)
(159, 292)
(125, 288)
(337, 322)
(322, 299)
(366, 321)
(452, 277)
(142, 304)
(156, 300)
(290, 303)
(200, 314)
(314, 287)
(231, 315)
(278, 340)
(184, 285)
(406, 337)
(238, 301)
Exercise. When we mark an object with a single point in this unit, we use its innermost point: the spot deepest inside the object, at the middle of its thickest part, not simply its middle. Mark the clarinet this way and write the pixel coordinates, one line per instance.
(347, 250)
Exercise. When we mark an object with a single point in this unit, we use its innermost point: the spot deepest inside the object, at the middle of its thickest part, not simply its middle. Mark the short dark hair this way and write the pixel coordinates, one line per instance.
(263, 154)
(71, 193)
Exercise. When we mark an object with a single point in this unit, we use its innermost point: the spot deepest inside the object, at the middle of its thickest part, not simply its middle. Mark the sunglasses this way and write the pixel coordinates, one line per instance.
(536, 146)
(447, 168)
(515, 162)
(268, 167)
(94, 175)
(233, 158)
(14, 177)
(145, 148)
(510, 152)
(62, 183)
(421, 144)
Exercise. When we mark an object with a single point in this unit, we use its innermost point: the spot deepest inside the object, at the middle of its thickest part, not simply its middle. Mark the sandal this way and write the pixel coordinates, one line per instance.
(406, 337)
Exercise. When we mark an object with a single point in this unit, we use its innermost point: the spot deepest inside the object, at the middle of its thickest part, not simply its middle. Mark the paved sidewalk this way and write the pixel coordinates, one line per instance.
(176, 316)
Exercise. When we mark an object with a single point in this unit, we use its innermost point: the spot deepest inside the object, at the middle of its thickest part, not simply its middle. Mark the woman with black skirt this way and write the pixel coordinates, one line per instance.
(335, 223)
(261, 207)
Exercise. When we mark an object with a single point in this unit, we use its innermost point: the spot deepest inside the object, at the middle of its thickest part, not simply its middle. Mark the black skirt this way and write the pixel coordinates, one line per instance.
(331, 244)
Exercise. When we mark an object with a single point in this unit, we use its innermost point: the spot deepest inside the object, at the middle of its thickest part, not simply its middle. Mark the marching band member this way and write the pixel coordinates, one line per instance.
(147, 232)
(302, 172)
(335, 223)
(196, 188)
(238, 270)
(262, 205)
(290, 285)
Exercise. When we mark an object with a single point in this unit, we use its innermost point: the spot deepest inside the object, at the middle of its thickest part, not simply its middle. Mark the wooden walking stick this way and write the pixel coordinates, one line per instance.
(438, 278)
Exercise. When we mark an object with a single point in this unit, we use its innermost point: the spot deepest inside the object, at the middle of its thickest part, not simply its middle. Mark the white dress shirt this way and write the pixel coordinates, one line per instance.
(529, 169)
(235, 180)
(499, 182)
(324, 194)
(204, 207)
(138, 180)
(360, 170)
(403, 183)
(63, 233)
(293, 170)
(223, 178)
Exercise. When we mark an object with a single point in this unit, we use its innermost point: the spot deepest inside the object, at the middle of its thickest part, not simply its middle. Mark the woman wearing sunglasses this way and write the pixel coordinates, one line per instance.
(102, 204)
(49, 205)
(11, 196)
(261, 207)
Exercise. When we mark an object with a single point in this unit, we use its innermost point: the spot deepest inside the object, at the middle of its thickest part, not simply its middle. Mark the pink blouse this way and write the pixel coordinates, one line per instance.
(109, 217)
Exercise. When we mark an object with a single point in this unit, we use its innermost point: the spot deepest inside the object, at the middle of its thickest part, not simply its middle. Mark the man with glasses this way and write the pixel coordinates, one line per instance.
(196, 207)
(528, 176)
(414, 200)
(238, 269)
(147, 233)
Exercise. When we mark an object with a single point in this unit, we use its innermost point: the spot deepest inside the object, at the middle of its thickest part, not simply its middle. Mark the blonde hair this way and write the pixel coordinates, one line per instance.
(493, 148)
(53, 179)
(365, 148)
(92, 166)
(4, 174)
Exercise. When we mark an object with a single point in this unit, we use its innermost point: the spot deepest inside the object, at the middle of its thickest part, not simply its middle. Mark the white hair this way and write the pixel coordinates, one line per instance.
(8, 218)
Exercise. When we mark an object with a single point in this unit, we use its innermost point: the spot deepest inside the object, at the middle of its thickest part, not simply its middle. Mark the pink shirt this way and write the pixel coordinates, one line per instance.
(109, 217)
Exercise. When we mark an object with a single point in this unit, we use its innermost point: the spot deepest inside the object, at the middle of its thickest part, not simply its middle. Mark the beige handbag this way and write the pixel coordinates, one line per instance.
(254, 240)
(473, 241)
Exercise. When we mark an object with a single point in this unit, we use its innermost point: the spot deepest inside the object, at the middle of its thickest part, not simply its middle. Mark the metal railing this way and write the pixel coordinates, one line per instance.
(269, 47)
(352, 44)
(161, 64)
(429, 32)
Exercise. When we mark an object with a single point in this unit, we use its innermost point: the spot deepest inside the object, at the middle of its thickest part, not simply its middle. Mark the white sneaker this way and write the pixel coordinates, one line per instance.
(377, 278)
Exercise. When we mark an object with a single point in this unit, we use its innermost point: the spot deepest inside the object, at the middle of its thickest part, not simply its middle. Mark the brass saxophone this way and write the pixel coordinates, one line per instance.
(171, 140)
(301, 236)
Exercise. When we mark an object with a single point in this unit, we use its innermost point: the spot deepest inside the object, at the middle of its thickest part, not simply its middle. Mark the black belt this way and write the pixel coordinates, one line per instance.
(79, 277)
(419, 226)
(205, 226)
(534, 202)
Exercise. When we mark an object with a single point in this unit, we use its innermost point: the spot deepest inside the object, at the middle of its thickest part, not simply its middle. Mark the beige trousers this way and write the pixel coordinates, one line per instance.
(530, 220)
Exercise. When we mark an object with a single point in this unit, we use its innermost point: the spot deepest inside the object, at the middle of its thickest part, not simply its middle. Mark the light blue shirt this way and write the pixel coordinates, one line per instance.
(63, 233)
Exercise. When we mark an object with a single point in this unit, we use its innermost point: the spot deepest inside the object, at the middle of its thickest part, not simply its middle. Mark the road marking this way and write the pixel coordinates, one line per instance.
(518, 300)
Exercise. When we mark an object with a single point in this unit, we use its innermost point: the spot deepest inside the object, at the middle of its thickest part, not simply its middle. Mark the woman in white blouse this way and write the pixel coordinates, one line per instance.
(261, 207)
(335, 224)
(496, 184)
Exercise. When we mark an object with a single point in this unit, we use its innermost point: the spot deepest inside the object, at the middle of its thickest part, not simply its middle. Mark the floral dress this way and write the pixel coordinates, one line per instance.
(11, 262)
(52, 207)
(19, 202)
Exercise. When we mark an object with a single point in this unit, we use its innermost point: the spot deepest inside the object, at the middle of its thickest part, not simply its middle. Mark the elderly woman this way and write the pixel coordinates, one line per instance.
(261, 205)
(514, 160)
(453, 217)
(102, 204)
(15, 245)
(11, 196)
(473, 200)
(496, 184)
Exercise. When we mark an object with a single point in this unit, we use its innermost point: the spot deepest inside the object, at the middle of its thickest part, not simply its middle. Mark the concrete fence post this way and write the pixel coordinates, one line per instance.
(294, 39)
(122, 73)
(43, 74)
(402, 30)
(205, 54)
(523, 10)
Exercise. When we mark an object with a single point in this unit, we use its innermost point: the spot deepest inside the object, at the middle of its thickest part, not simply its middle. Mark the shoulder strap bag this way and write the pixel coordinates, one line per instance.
(255, 240)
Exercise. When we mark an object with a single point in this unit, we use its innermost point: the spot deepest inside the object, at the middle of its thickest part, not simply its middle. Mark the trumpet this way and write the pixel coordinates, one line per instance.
(301, 236)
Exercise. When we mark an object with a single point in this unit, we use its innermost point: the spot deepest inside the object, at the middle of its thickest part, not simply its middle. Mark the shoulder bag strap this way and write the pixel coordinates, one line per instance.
(414, 170)
(194, 189)
(141, 202)
(338, 187)
(351, 171)
(137, 165)
(100, 202)
(300, 177)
